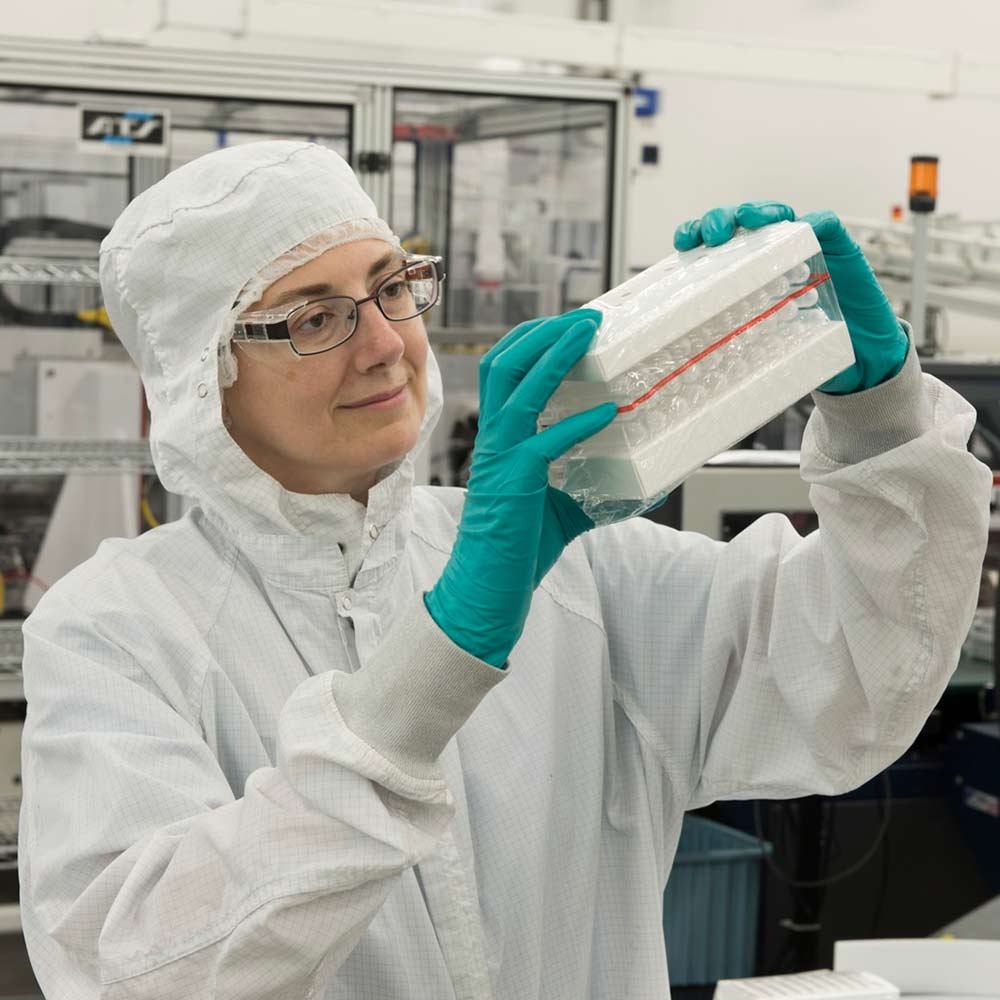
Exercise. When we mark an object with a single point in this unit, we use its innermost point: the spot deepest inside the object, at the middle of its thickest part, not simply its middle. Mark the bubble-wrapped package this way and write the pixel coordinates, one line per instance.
(697, 351)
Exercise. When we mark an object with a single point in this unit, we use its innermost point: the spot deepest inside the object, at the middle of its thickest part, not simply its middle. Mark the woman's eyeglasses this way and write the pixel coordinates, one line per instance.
(323, 324)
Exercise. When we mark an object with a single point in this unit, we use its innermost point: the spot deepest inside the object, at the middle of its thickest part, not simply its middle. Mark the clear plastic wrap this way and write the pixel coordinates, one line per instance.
(697, 351)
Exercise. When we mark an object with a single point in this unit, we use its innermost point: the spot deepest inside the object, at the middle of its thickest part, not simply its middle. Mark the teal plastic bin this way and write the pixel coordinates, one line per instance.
(711, 902)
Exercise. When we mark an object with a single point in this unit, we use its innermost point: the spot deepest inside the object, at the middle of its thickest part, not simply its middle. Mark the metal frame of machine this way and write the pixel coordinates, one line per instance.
(367, 88)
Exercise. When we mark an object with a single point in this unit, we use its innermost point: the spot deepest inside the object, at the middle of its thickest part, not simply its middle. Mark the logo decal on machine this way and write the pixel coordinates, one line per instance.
(104, 130)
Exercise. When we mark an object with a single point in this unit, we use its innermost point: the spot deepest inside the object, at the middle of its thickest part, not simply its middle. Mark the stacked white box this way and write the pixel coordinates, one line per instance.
(822, 985)
(697, 352)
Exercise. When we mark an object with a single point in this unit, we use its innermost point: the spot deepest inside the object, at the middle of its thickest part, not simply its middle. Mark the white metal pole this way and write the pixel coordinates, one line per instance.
(918, 293)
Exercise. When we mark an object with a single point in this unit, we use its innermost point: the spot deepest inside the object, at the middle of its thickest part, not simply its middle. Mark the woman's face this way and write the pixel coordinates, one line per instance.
(305, 420)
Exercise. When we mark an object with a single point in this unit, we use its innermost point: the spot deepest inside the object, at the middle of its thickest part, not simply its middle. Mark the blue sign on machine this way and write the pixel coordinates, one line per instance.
(647, 101)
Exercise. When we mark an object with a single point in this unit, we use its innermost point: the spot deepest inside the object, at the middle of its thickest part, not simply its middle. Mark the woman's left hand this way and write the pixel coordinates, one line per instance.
(879, 341)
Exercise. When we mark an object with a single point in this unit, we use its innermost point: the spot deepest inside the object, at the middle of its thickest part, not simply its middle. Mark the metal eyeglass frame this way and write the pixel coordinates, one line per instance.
(271, 325)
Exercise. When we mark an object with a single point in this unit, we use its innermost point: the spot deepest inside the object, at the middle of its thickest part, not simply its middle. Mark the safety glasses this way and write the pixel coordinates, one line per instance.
(322, 324)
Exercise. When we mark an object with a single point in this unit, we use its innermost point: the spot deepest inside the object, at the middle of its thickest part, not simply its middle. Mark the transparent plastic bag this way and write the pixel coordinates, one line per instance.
(697, 351)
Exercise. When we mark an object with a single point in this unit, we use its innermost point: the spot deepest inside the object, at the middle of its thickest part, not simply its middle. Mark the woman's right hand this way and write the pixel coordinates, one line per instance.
(515, 525)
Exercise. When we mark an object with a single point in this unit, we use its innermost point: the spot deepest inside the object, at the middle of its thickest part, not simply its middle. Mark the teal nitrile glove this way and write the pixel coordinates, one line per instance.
(880, 344)
(515, 525)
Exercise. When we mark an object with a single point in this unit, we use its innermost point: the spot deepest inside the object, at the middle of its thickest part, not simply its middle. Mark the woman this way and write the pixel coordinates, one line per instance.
(333, 735)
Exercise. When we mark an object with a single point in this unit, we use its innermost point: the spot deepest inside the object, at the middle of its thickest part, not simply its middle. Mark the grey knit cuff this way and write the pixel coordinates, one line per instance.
(864, 424)
(415, 692)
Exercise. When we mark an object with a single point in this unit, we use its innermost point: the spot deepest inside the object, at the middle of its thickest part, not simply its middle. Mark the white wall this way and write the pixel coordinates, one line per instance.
(549, 8)
(966, 25)
(724, 141)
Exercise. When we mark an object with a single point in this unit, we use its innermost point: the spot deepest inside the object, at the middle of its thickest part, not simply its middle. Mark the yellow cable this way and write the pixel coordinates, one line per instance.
(147, 514)
(147, 511)
(97, 316)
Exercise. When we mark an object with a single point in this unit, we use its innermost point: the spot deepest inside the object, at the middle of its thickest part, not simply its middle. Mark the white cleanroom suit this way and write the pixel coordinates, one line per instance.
(247, 775)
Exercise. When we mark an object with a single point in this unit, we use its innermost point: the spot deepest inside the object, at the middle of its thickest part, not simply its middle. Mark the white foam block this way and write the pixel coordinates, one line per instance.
(684, 290)
(698, 352)
(823, 985)
(617, 468)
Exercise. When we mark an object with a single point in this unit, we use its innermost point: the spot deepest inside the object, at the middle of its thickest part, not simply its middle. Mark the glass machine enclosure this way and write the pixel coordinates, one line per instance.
(516, 192)
(63, 374)
(516, 180)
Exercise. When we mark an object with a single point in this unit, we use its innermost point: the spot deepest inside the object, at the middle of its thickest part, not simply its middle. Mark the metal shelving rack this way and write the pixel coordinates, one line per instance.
(30, 456)
(11, 650)
(46, 271)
